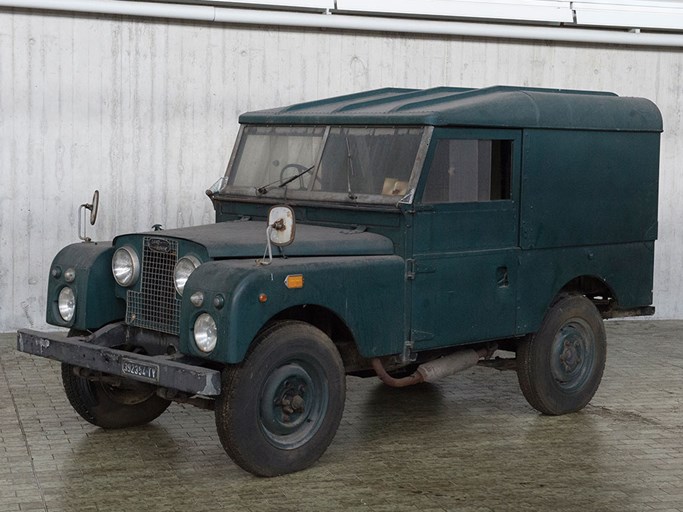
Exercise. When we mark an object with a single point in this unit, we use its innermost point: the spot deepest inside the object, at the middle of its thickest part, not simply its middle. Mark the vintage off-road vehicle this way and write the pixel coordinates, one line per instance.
(400, 233)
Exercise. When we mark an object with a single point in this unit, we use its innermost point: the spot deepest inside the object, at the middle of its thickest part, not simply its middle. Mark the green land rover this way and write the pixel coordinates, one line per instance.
(398, 233)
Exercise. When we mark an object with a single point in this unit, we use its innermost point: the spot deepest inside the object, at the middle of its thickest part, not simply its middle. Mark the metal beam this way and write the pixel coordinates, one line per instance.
(334, 21)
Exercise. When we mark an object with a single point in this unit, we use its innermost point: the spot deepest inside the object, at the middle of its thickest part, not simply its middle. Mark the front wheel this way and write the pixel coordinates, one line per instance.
(110, 406)
(560, 367)
(280, 409)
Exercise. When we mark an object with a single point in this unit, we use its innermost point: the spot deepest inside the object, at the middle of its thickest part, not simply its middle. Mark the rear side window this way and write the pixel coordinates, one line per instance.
(469, 170)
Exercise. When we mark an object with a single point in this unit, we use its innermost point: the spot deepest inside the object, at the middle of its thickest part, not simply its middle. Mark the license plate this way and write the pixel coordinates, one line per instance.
(142, 371)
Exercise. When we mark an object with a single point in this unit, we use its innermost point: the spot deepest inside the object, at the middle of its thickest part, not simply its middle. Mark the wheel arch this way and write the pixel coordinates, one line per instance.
(594, 288)
(328, 322)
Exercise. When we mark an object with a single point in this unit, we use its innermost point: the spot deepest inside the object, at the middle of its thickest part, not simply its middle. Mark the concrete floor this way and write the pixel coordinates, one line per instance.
(468, 443)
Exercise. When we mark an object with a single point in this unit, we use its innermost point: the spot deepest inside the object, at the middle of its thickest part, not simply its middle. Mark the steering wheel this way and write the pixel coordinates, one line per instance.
(299, 169)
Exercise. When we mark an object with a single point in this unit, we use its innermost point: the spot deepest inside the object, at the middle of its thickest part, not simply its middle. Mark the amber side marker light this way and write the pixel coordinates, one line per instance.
(262, 298)
(294, 281)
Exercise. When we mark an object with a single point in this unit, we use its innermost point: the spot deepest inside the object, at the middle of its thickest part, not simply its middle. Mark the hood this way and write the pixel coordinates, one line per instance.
(247, 239)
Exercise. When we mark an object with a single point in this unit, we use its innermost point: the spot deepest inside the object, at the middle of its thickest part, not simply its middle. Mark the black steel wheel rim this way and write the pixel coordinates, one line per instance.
(293, 403)
(573, 355)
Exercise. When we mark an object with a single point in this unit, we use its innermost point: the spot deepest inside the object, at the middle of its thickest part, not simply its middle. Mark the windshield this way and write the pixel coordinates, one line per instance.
(272, 154)
(337, 162)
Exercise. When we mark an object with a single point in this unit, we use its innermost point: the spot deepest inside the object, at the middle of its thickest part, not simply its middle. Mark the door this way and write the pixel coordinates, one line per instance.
(465, 239)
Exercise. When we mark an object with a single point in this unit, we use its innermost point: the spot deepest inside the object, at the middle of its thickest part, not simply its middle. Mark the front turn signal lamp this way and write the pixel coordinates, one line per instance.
(294, 281)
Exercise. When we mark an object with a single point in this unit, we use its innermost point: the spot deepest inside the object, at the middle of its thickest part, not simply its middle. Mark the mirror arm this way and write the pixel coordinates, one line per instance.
(92, 208)
(82, 224)
(269, 249)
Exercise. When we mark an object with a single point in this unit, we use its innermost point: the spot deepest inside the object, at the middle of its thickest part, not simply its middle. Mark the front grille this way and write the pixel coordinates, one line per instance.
(155, 306)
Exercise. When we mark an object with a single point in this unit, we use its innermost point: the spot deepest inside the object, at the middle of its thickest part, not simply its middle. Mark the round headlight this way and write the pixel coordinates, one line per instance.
(185, 266)
(66, 302)
(205, 333)
(125, 266)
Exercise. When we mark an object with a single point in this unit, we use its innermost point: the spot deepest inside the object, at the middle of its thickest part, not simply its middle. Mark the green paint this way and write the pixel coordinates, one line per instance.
(94, 286)
(570, 197)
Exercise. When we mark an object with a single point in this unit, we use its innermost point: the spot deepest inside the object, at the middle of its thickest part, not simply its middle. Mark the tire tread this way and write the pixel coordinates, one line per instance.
(530, 374)
(95, 407)
(235, 378)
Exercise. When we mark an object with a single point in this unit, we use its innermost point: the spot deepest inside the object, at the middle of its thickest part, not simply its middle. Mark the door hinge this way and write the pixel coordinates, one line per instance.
(418, 336)
(413, 268)
(410, 269)
(408, 356)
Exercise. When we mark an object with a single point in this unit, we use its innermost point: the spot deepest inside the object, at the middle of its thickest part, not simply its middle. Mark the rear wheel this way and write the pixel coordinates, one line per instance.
(109, 406)
(560, 367)
(280, 409)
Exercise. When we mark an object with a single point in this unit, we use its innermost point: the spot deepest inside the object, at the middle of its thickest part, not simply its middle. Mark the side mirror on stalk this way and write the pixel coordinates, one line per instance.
(280, 231)
(93, 207)
(282, 226)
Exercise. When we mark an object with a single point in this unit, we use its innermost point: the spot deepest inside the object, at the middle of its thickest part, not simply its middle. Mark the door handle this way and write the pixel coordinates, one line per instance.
(502, 277)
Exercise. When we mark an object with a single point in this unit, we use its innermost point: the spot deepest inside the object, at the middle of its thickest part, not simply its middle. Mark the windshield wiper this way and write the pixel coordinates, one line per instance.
(295, 177)
(264, 189)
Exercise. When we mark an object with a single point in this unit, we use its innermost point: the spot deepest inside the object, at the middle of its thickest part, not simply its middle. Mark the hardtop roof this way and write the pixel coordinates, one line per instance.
(497, 106)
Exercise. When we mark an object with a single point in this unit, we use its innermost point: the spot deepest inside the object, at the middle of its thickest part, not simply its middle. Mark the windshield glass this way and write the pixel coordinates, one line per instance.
(344, 163)
(273, 154)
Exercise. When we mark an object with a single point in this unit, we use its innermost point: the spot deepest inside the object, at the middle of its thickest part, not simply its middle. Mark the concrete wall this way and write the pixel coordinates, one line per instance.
(146, 111)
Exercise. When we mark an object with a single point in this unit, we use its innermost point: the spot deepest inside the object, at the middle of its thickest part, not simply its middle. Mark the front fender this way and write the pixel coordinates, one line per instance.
(366, 292)
(93, 287)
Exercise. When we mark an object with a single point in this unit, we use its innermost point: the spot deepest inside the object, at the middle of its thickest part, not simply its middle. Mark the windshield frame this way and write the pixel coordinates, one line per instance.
(283, 193)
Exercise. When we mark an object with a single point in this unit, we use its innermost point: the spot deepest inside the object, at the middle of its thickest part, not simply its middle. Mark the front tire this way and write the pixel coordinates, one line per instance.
(111, 407)
(280, 409)
(560, 367)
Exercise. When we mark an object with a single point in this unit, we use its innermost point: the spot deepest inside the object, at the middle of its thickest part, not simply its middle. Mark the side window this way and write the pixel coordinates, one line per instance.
(464, 171)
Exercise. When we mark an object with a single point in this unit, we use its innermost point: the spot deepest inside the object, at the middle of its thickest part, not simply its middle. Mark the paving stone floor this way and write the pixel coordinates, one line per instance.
(467, 443)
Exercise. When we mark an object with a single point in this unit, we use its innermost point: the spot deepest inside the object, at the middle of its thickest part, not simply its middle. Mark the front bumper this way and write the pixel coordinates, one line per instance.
(163, 371)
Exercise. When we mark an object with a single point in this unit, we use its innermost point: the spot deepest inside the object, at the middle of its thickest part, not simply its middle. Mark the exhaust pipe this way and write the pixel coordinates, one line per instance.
(433, 370)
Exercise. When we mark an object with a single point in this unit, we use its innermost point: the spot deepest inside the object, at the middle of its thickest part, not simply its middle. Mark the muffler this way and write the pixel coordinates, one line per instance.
(433, 370)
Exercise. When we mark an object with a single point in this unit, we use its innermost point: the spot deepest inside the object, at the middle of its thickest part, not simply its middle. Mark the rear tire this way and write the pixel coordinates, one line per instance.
(111, 407)
(280, 408)
(560, 367)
